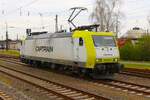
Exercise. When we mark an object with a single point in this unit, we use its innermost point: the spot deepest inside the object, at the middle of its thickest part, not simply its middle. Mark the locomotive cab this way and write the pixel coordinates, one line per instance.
(106, 49)
(100, 51)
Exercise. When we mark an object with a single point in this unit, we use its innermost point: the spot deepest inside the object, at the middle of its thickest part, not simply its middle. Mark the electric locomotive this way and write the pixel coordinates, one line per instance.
(82, 50)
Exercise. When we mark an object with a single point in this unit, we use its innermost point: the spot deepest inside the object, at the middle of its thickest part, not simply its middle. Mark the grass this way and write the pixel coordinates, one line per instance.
(10, 53)
(136, 65)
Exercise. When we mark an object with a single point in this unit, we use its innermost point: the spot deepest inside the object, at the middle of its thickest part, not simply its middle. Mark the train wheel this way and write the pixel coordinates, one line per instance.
(45, 65)
(34, 63)
(66, 68)
(60, 67)
(84, 72)
(38, 64)
(53, 66)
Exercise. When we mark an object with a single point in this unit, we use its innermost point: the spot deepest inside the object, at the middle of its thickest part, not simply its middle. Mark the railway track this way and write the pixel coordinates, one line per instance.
(16, 61)
(137, 73)
(131, 72)
(120, 85)
(9, 59)
(58, 91)
(125, 72)
(7, 56)
(126, 87)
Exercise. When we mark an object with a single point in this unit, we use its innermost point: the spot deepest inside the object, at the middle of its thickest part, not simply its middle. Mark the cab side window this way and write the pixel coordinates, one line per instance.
(81, 41)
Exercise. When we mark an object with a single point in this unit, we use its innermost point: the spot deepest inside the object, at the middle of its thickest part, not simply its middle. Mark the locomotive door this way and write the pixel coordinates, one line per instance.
(79, 50)
(76, 49)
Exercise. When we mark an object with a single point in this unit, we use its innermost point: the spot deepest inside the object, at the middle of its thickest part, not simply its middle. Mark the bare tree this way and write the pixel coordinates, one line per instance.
(148, 28)
(148, 19)
(107, 14)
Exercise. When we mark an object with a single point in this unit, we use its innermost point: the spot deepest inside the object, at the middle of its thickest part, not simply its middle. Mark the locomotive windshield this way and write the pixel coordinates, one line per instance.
(104, 41)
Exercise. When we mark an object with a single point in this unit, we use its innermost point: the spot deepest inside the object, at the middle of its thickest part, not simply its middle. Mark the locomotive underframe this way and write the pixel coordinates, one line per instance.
(100, 71)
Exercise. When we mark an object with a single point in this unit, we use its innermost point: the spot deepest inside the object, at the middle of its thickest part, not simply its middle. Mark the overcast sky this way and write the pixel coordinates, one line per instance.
(136, 13)
(15, 13)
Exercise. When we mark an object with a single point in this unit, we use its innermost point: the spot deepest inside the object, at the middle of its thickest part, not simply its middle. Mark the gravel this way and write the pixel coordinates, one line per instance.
(20, 90)
(13, 93)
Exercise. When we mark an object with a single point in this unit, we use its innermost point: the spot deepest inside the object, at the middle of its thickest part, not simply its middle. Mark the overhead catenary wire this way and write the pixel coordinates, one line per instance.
(21, 7)
(32, 2)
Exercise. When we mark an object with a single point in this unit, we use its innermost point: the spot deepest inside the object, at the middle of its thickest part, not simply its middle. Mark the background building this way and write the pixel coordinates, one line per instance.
(133, 35)
(12, 44)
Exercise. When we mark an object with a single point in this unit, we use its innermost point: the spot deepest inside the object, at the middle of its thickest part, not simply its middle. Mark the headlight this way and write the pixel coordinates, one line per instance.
(98, 60)
(115, 59)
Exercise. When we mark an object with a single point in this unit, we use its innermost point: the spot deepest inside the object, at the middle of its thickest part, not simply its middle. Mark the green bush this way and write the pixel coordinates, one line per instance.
(144, 44)
(125, 51)
(136, 52)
